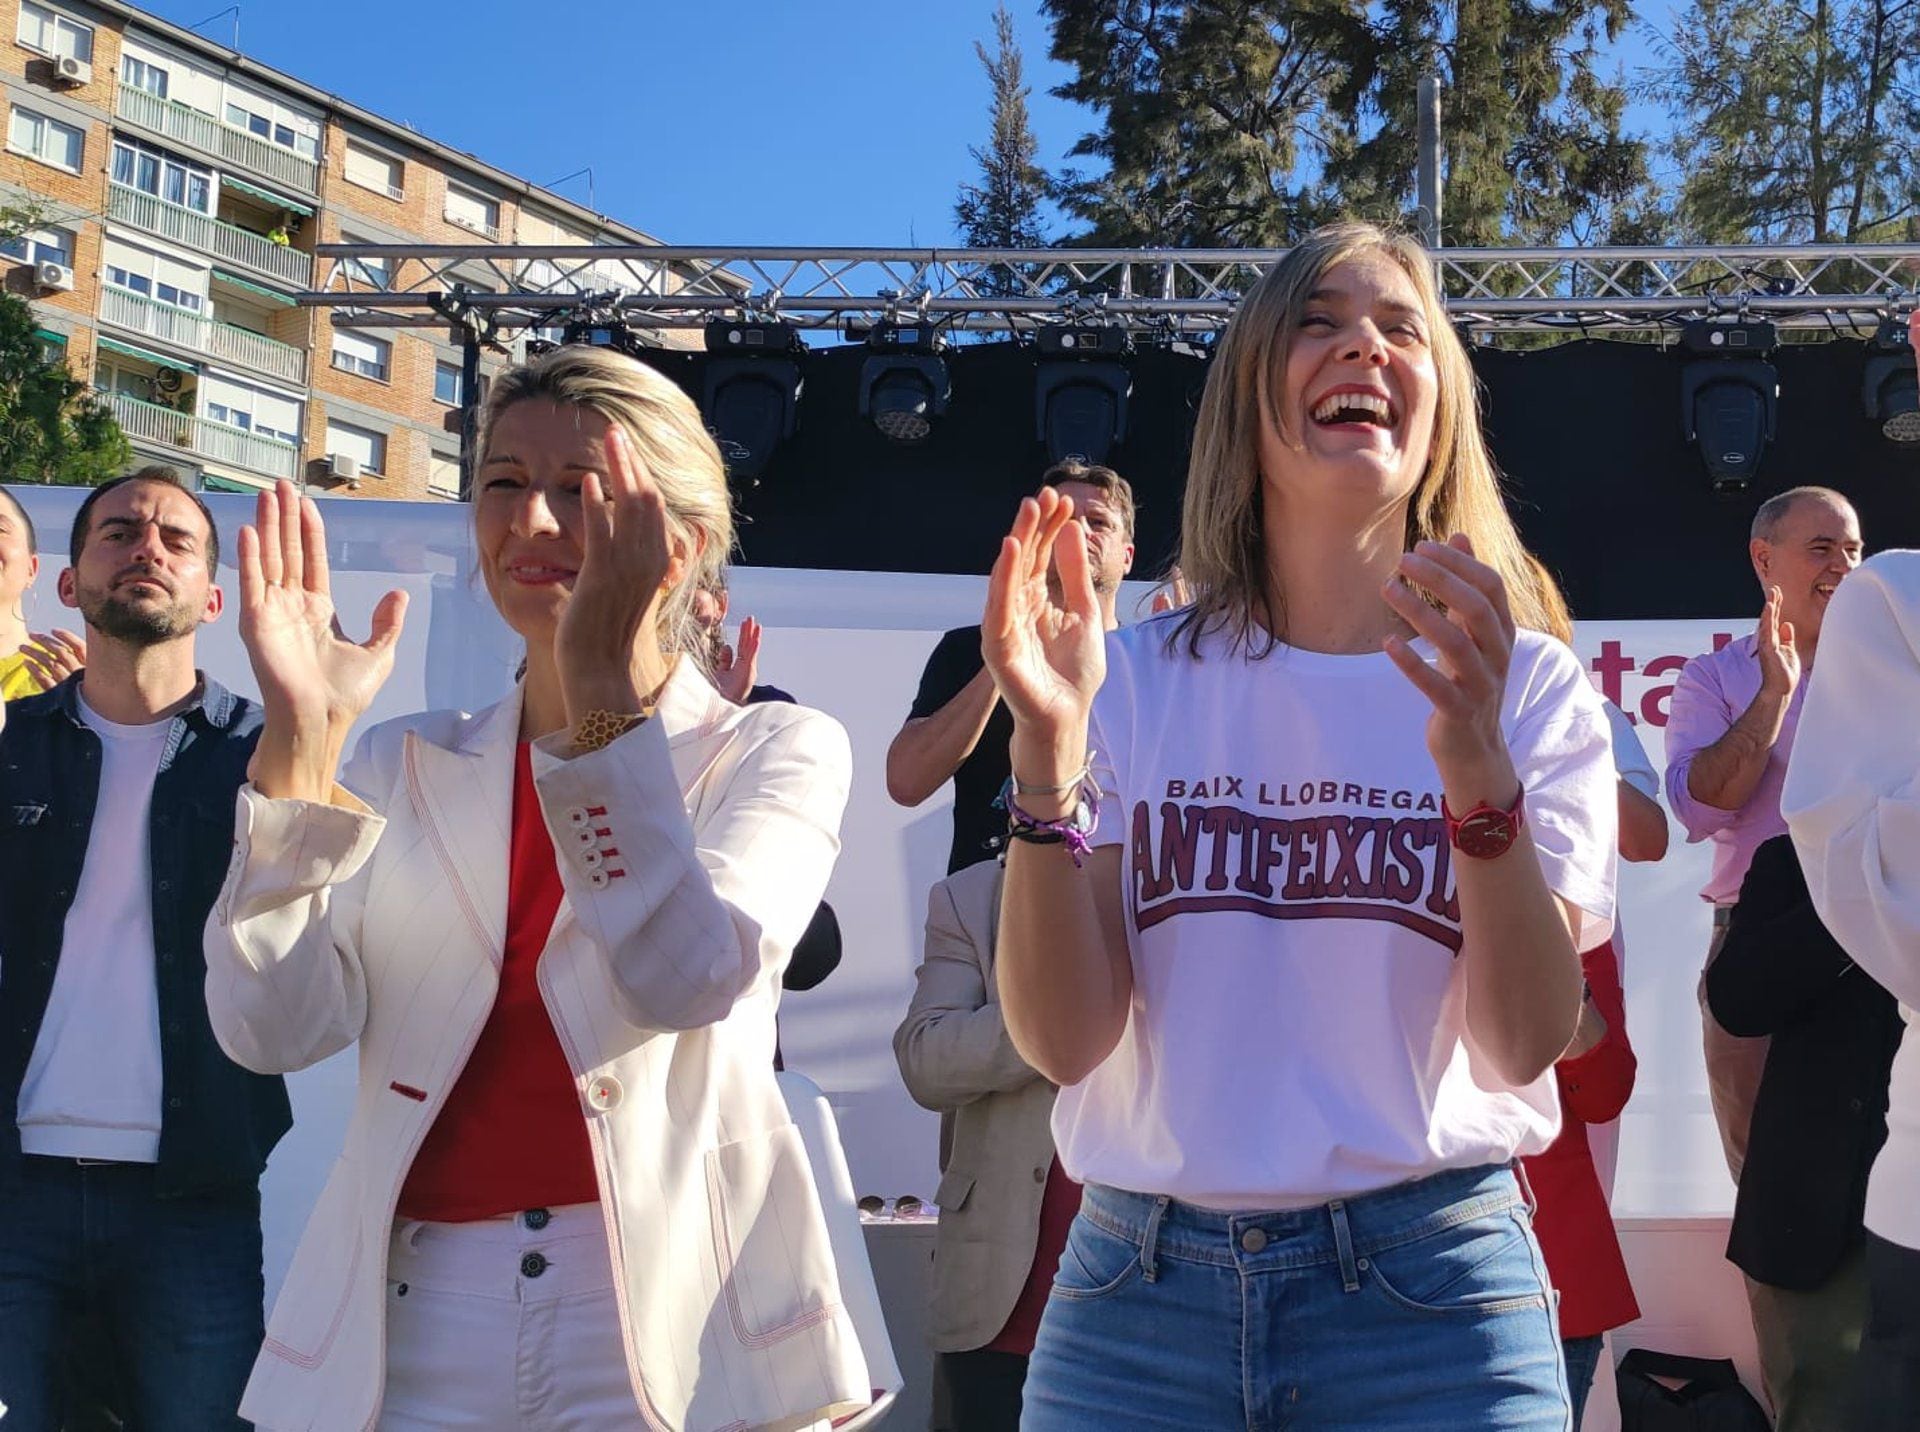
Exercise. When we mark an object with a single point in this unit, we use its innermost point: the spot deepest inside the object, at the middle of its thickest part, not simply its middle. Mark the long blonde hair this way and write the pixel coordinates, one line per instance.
(667, 432)
(1222, 540)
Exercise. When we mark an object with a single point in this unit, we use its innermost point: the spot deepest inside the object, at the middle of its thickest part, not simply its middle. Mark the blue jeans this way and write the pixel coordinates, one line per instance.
(1418, 1307)
(175, 1284)
(1583, 1360)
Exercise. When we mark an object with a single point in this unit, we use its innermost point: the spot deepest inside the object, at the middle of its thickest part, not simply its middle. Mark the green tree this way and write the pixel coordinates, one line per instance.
(1002, 210)
(1248, 121)
(1214, 117)
(1794, 122)
(52, 429)
(1533, 150)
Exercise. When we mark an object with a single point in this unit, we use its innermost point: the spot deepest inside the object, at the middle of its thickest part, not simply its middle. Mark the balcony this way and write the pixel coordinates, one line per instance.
(194, 330)
(216, 442)
(209, 235)
(208, 135)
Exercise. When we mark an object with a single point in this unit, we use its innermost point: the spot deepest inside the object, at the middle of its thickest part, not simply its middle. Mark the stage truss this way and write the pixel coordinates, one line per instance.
(503, 291)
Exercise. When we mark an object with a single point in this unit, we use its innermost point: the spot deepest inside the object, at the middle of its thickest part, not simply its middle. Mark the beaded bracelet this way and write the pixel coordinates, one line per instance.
(1075, 830)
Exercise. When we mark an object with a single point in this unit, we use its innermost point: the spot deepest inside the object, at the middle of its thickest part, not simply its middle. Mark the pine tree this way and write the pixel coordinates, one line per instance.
(1794, 123)
(1532, 146)
(1248, 122)
(1214, 117)
(1002, 210)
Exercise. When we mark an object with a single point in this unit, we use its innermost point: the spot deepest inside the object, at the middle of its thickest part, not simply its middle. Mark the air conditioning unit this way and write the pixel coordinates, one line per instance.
(342, 468)
(69, 71)
(55, 278)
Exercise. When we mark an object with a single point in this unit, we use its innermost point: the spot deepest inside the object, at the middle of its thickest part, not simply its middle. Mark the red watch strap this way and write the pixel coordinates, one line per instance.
(1489, 829)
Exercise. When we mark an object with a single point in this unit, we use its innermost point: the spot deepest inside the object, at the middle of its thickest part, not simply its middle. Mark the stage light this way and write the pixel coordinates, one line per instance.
(1729, 397)
(1079, 393)
(751, 396)
(905, 385)
(1890, 389)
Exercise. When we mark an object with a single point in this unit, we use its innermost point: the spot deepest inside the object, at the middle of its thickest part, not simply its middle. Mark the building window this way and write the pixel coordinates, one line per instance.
(362, 353)
(366, 447)
(48, 140)
(161, 175)
(272, 128)
(443, 475)
(446, 384)
(148, 287)
(370, 169)
(250, 415)
(52, 33)
(53, 346)
(143, 75)
(40, 247)
(373, 272)
(473, 211)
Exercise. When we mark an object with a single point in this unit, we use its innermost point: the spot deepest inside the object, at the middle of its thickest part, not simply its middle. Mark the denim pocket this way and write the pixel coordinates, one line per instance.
(1095, 1263)
(1479, 1267)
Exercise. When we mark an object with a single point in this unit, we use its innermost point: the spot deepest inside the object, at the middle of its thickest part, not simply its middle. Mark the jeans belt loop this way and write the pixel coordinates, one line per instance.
(1150, 1240)
(1519, 1168)
(1343, 1246)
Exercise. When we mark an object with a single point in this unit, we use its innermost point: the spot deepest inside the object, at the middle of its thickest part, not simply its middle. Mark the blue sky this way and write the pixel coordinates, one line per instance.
(784, 122)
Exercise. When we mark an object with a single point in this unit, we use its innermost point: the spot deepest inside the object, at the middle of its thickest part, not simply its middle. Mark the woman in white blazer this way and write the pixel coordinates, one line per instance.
(570, 1195)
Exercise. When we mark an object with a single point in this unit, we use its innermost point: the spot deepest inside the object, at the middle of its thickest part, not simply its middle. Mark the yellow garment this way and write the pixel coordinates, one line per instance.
(17, 678)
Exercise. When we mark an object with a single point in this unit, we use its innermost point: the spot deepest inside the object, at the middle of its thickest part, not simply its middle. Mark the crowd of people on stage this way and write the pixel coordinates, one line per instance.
(1268, 999)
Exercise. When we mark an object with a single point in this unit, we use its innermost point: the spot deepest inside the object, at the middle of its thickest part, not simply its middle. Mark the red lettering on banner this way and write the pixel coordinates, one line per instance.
(1610, 665)
(1653, 705)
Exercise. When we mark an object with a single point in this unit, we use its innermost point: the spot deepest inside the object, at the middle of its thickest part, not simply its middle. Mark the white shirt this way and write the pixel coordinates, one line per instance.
(1298, 1024)
(92, 1087)
(1852, 802)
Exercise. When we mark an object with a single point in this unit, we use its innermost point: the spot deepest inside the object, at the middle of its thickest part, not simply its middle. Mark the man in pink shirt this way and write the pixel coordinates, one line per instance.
(1729, 731)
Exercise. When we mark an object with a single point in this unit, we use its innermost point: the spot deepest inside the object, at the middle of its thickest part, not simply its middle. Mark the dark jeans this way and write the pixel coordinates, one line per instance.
(1886, 1382)
(174, 1283)
(1583, 1358)
(985, 1389)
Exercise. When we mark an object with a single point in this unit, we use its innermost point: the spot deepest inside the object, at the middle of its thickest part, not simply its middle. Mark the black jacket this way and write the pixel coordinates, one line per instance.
(218, 1121)
(1821, 1112)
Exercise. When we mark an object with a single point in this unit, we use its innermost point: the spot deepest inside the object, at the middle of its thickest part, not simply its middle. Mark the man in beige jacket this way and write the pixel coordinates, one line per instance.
(1005, 1204)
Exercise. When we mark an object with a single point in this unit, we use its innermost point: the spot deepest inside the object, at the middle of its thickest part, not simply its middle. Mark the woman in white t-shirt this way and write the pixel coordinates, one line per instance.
(1355, 821)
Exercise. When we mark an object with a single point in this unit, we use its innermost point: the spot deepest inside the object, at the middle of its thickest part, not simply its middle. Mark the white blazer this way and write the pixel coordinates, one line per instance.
(693, 850)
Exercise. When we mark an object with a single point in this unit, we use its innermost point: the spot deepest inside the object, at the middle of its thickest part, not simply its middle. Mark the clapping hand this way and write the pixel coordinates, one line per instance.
(1474, 640)
(53, 656)
(626, 563)
(736, 667)
(1048, 659)
(314, 681)
(1773, 645)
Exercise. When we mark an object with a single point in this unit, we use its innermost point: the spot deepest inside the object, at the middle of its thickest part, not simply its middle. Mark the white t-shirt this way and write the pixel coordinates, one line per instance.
(92, 1088)
(1298, 1023)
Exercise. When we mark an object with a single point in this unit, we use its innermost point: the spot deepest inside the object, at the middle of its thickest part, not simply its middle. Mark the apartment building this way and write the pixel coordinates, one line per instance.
(186, 188)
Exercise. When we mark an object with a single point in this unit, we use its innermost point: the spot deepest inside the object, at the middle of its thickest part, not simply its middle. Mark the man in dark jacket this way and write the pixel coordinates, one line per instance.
(1818, 1120)
(130, 1168)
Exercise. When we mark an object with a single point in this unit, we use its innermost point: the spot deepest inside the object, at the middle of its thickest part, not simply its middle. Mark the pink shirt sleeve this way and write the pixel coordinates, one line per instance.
(1698, 715)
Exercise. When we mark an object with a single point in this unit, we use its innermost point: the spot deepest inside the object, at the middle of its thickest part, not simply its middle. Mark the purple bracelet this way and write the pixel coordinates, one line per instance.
(1069, 829)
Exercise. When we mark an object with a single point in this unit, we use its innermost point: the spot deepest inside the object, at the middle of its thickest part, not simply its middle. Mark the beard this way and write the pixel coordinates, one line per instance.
(138, 624)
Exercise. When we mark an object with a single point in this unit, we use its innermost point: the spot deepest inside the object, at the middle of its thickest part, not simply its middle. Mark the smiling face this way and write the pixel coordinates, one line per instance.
(1814, 545)
(142, 575)
(527, 508)
(1358, 393)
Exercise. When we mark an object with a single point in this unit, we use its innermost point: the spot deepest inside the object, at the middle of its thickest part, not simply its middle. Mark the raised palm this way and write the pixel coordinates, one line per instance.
(1773, 644)
(1047, 656)
(311, 676)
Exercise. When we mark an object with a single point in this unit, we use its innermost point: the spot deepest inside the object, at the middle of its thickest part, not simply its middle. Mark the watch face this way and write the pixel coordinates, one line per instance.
(1485, 834)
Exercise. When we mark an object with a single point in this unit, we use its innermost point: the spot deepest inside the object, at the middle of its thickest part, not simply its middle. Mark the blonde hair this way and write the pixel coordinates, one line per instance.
(672, 441)
(1222, 541)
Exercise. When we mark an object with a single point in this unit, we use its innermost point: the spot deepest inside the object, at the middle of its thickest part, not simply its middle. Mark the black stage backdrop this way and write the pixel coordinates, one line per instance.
(1588, 434)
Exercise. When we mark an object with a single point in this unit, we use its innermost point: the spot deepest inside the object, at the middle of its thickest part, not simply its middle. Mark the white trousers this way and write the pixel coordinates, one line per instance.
(505, 1325)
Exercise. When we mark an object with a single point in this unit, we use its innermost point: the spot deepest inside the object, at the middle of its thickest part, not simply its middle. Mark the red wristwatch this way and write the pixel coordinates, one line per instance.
(1485, 831)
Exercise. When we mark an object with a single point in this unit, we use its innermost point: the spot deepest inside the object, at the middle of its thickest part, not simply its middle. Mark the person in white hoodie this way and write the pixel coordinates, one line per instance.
(1852, 803)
